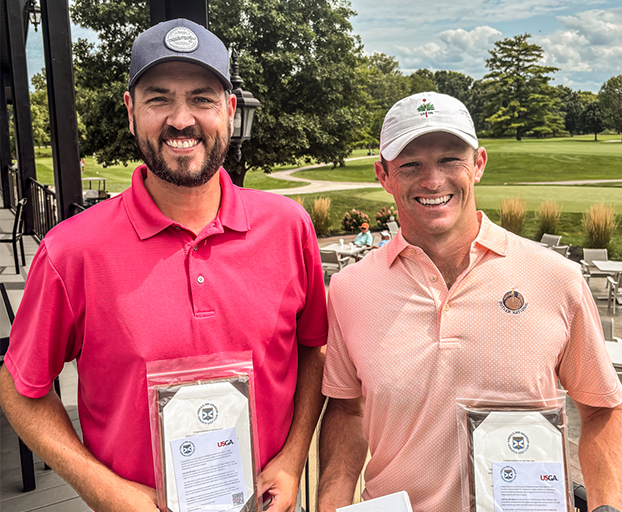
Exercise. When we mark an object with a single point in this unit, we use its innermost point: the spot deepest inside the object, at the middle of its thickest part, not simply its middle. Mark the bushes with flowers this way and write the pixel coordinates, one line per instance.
(384, 216)
(352, 220)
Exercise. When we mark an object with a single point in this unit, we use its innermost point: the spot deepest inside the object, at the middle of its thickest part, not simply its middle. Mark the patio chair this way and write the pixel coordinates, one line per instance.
(613, 291)
(393, 228)
(561, 249)
(17, 234)
(607, 325)
(332, 263)
(587, 265)
(550, 240)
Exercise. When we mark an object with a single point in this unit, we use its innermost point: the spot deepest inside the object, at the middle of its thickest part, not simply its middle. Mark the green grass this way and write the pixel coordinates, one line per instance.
(261, 181)
(510, 161)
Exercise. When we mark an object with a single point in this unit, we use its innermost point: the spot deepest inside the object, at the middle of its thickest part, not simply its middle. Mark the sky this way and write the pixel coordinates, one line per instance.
(581, 37)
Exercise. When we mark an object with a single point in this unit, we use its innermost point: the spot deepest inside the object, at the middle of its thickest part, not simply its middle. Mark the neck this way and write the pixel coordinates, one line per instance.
(450, 253)
(192, 207)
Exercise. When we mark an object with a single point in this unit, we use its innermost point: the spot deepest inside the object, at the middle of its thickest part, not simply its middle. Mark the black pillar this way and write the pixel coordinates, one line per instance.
(5, 142)
(62, 103)
(21, 105)
(193, 10)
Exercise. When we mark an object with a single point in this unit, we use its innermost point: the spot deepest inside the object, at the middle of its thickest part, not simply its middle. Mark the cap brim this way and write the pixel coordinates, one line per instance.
(182, 58)
(392, 150)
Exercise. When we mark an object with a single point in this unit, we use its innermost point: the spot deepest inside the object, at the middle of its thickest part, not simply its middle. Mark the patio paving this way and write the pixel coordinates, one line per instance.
(52, 493)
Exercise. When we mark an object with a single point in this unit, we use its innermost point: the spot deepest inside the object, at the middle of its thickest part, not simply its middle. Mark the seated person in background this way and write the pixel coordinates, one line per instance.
(386, 238)
(364, 237)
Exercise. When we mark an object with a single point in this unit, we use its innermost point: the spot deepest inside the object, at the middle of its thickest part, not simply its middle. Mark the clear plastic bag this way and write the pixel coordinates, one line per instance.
(514, 454)
(203, 428)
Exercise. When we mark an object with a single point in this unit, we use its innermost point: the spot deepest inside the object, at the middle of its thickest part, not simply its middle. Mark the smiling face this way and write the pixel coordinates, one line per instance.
(182, 119)
(432, 182)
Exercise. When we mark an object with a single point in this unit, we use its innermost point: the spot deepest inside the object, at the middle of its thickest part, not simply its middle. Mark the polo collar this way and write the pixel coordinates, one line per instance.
(490, 237)
(148, 220)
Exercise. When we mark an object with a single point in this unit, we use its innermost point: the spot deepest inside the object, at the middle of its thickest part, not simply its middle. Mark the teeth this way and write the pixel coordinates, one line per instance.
(435, 201)
(181, 143)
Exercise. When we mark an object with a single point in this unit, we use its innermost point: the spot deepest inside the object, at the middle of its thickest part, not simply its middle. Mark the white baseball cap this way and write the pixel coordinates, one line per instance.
(423, 113)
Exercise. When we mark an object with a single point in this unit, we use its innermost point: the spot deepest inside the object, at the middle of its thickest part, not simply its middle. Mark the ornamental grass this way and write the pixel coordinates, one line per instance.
(599, 223)
(320, 215)
(548, 216)
(512, 214)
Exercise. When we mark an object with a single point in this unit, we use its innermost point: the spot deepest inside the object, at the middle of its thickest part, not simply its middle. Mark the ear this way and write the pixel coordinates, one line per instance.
(231, 105)
(127, 99)
(382, 176)
(480, 164)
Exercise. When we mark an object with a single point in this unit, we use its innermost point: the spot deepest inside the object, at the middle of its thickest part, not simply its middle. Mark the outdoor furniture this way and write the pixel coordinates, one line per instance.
(332, 262)
(607, 325)
(613, 289)
(588, 266)
(350, 250)
(17, 234)
(561, 249)
(393, 228)
(550, 240)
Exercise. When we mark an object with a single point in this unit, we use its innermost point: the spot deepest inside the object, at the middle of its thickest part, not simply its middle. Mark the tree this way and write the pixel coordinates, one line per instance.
(422, 80)
(518, 95)
(592, 119)
(573, 106)
(610, 101)
(298, 57)
(454, 84)
(40, 111)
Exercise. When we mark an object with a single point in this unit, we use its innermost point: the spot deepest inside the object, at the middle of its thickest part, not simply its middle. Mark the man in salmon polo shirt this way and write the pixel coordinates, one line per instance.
(180, 264)
(452, 302)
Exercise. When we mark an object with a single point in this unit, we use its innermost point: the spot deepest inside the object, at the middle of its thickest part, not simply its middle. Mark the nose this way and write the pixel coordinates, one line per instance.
(181, 116)
(431, 178)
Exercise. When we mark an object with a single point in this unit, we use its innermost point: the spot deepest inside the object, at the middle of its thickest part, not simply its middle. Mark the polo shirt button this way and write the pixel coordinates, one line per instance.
(433, 278)
(200, 279)
(446, 307)
(196, 247)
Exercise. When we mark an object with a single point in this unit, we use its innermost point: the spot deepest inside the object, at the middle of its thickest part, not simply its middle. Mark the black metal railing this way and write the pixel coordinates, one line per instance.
(44, 208)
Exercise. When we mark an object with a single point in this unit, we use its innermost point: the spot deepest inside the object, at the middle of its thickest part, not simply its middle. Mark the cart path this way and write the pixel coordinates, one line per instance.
(316, 186)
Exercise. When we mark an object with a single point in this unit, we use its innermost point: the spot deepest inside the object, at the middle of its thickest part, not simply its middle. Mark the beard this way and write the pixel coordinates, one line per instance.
(183, 177)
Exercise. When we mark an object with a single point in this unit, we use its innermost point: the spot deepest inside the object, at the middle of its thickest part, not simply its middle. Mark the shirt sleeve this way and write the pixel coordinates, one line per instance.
(340, 376)
(43, 335)
(311, 325)
(585, 368)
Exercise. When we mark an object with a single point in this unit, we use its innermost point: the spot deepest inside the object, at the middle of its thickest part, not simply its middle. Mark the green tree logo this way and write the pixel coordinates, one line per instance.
(425, 108)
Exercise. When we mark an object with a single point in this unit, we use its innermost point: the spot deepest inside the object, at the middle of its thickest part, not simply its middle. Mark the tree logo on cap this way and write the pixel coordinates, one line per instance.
(181, 39)
(425, 108)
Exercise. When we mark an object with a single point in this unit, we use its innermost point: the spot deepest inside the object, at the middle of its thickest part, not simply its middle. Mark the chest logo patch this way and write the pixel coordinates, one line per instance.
(513, 303)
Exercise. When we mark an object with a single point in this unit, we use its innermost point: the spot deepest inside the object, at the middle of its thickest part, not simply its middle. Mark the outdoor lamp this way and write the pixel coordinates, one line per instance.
(34, 13)
(244, 111)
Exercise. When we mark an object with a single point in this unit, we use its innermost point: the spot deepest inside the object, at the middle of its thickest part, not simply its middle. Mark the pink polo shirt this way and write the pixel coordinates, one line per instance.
(517, 320)
(121, 284)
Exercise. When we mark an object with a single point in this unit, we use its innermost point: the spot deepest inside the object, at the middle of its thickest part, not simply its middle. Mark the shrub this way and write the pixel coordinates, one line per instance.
(320, 215)
(300, 200)
(599, 223)
(548, 217)
(512, 214)
(352, 220)
(384, 216)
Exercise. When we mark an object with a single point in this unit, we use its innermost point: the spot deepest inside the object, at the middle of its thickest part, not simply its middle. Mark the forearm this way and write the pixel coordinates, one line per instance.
(600, 454)
(343, 449)
(308, 403)
(44, 426)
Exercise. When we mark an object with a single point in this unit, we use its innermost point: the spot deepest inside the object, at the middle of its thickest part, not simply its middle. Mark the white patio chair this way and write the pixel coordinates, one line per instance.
(607, 325)
(613, 291)
(550, 240)
(587, 265)
(393, 228)
(332, 262)
(561, 249)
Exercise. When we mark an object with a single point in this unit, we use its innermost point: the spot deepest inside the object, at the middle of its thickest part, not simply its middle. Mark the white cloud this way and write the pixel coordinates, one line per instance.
(458, 49)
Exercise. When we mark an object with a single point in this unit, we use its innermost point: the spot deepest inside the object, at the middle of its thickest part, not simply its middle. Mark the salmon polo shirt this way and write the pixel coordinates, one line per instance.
(519, 318)
(121, 284)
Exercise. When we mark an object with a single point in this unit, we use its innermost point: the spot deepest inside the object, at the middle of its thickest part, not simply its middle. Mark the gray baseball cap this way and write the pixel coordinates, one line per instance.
(179, 40)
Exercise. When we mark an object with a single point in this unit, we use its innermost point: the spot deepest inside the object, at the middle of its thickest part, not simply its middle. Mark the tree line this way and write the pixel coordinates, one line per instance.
(321, 95)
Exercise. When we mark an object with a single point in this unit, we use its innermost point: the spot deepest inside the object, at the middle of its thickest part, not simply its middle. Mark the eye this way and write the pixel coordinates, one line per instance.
(202, 100)
(156, 99)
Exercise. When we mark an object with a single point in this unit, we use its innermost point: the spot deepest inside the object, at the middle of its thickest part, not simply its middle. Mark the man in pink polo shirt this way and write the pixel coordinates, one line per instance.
(453, 302)
(182, 263)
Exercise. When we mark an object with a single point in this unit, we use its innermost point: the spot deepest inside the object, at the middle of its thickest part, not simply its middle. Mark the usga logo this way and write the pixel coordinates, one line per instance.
(548, 478)
(225, 443)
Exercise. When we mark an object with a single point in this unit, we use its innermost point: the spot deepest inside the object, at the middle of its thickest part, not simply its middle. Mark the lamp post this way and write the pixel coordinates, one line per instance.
(245, 110)
(34, 13)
